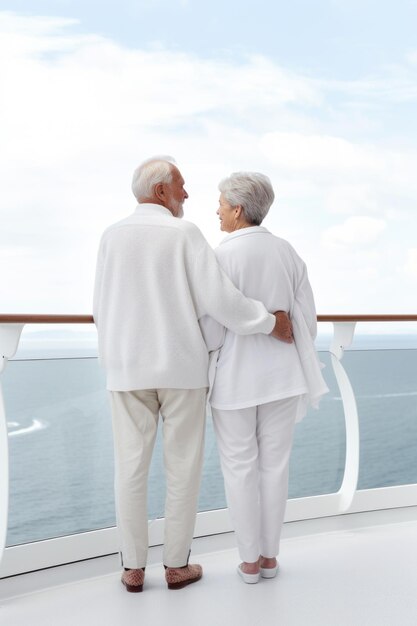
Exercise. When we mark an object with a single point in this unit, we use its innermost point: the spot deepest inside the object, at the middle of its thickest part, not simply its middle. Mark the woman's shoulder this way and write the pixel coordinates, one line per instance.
(285, 246)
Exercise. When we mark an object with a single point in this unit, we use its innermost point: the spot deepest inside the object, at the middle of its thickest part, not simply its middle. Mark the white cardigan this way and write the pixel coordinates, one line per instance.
(258, 369)
(156, 276)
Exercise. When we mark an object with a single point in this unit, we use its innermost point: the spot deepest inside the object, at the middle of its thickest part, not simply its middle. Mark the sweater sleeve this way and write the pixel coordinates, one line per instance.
(213, 333)
(217, 296)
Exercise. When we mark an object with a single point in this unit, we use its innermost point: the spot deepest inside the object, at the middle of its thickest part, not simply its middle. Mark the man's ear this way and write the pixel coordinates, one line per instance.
(238, 210)
(159, 191)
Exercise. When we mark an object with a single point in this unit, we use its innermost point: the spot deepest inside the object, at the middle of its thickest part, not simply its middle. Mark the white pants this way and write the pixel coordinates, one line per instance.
(255, 446)
(135, 423)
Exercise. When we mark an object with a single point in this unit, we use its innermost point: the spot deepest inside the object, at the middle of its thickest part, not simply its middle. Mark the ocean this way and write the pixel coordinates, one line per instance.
(60, 439)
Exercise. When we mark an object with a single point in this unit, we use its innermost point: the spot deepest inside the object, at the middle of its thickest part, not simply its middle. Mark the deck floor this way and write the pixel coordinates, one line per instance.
(355, 570)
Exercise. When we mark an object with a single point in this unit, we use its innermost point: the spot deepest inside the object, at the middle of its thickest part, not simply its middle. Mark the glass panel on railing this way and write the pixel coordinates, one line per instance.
(318, 455)
(61, 451)
(385, 386)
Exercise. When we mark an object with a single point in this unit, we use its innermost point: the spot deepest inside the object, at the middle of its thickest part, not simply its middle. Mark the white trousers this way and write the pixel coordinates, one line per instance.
(255, 446)
(135, 423)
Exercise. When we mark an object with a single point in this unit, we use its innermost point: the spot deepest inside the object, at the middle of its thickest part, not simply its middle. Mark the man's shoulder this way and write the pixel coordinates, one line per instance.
(181, 229)
(189, 228)
(115, 226)
(185, 230)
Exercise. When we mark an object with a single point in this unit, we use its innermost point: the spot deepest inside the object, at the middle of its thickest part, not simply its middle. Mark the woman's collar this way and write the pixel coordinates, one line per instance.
(242, 232)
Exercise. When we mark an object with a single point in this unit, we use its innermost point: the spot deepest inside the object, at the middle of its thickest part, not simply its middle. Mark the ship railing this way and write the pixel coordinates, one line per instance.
(348, 498)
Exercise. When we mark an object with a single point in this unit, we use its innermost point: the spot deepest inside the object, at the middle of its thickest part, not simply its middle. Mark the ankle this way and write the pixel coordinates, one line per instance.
(130, 569)
(267, 562)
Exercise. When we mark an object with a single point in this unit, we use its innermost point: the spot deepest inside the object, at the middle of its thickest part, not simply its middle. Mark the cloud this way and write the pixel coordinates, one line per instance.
(356, 231)
(79, 111)
(328, 156)
(410, 266)
(94, 81)
(318, 152)
(344, 198)
(412, 57)
(393, 82)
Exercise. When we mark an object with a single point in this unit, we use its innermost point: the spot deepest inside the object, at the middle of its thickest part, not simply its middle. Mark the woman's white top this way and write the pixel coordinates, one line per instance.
(257, 369)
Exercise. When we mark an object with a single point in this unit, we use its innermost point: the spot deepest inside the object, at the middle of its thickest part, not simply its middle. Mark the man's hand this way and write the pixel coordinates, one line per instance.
(283, 327)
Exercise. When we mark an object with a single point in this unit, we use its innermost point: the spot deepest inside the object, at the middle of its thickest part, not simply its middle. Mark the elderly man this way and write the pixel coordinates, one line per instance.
(156, 277)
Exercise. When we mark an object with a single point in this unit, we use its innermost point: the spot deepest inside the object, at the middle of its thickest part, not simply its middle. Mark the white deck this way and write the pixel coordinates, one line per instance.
(353, 570)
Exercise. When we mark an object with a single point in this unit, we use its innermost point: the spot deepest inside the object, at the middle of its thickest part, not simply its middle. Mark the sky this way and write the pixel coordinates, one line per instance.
(319, 96)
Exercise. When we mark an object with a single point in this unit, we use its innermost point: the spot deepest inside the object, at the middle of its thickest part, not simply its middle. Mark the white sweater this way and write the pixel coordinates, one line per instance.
(258, 369)
(156, 276)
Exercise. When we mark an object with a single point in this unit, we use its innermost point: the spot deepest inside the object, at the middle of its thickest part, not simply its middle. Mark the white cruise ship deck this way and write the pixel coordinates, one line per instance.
(352, 570)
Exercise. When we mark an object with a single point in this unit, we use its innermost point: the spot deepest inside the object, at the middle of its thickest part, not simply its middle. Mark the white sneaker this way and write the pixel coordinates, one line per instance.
(250, 579)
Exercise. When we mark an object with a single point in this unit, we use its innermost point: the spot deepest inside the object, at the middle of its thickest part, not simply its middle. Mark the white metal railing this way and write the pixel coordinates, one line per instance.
(9, 341)
(95, 543)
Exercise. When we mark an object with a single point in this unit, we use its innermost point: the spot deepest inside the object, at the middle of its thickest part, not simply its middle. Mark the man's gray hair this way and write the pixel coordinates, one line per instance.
(252, 191)
(157, 169)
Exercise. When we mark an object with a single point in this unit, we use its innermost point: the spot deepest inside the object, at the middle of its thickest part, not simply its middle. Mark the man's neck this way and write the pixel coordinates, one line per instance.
(153, 201)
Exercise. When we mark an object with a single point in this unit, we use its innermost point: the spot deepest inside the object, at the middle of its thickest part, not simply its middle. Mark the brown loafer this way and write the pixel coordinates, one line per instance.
(133, 580)
(179, 577)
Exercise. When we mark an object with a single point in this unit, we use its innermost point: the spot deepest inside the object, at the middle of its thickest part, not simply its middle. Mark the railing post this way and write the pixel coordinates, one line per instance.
(9, 340)
(342, 338)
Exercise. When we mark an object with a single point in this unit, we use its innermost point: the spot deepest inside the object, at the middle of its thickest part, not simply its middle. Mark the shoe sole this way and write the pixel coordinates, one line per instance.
(184, 583)
(268, 572)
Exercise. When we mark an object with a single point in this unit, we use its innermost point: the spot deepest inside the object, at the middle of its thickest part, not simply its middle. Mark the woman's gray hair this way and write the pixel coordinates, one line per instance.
(157, 169)
(252, 191)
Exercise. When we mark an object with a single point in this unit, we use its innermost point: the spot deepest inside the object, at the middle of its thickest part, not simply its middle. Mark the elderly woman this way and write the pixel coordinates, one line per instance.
(261, 385)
